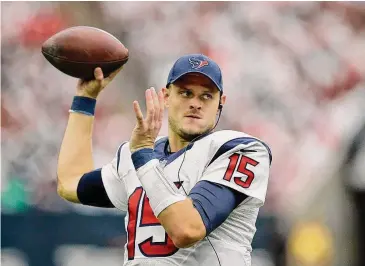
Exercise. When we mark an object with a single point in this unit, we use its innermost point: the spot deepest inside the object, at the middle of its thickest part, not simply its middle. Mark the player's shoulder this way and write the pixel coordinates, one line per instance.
(232, 138)
(223, 136)
(220, 142)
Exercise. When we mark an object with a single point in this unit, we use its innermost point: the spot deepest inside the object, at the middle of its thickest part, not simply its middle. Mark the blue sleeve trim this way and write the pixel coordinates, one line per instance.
(84, 105)
(91, 190)
(229, 145)
(214, 202)
(142, 156)
(159, 148)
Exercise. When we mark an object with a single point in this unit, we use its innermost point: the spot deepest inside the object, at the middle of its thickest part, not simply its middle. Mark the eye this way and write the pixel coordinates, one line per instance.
(185, 93)
(207, 96)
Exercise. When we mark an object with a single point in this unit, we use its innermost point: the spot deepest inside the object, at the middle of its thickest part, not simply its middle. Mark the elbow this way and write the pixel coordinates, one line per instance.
(188, 237)
(61, 190)
(67, 190)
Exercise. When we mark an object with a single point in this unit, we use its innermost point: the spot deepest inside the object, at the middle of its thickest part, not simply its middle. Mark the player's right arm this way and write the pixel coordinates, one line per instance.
(77, 181)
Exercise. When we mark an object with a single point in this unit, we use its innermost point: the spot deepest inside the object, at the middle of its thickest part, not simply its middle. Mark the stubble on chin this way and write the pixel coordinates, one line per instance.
(184, 134)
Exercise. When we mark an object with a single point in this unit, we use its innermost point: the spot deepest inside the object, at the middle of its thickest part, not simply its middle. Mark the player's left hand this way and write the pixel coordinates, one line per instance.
(146, 130)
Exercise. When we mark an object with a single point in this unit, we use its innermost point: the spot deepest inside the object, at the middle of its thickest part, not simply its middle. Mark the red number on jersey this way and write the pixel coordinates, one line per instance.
(242, 162)
(147, 218)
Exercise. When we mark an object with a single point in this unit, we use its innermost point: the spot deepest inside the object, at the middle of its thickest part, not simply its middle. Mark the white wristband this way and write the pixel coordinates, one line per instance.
(160, 191)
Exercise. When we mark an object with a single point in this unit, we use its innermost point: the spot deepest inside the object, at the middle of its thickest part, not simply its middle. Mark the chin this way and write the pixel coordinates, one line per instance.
(191, 133)
(187, 130)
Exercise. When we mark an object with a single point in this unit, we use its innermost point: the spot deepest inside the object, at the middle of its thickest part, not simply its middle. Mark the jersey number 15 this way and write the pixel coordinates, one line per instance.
(148, 247)
(238, 163)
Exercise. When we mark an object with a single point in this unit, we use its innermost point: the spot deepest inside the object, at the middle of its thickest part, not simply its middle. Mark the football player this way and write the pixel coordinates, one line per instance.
(191, 198)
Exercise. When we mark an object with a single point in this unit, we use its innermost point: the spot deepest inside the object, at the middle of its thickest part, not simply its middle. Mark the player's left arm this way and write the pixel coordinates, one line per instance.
(235, 172)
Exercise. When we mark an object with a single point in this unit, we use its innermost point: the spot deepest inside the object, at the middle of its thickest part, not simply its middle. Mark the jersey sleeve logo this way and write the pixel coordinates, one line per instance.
(238, 164)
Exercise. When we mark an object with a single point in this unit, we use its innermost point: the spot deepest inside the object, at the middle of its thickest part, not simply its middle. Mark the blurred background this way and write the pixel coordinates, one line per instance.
(294, 76)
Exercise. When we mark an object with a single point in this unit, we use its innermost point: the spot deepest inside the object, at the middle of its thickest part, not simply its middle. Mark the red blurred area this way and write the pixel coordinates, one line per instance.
(38, 28)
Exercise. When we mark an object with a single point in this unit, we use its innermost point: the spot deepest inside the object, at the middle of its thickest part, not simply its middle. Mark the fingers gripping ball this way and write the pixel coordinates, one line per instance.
(77, 51)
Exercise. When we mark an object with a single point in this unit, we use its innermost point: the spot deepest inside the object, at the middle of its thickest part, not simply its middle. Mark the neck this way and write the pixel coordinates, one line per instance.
(176, 143)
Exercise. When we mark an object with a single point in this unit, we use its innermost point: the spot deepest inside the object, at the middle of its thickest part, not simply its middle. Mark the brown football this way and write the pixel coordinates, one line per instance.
(77, 51)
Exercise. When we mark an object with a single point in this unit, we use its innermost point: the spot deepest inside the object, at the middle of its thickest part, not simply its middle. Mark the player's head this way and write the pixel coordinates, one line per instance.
(194, 95)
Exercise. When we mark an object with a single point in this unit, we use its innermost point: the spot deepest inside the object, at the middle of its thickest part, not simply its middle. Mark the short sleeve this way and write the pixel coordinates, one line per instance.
(113, 183)
(242, 164)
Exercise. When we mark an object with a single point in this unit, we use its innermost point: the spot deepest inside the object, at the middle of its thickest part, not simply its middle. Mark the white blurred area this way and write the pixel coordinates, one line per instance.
(293, 73)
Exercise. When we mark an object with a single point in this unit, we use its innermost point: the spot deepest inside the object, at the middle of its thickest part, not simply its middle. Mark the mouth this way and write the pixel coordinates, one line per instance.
(193, 116)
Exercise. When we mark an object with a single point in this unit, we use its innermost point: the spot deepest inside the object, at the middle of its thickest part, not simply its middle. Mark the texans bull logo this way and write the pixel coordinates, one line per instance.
(197, 63)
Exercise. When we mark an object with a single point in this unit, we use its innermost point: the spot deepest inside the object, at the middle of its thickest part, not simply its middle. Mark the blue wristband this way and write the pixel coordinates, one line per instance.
(142, 156)
(83, 105)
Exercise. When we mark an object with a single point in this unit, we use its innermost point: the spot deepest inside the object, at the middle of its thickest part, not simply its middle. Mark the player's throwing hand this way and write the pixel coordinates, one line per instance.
(146, 130)
(92, 88)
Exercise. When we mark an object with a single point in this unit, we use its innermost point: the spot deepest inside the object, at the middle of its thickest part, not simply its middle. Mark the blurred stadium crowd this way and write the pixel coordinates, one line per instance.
(294, 76)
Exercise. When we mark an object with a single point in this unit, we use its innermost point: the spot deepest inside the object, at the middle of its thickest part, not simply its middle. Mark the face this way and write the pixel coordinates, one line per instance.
(192, 103)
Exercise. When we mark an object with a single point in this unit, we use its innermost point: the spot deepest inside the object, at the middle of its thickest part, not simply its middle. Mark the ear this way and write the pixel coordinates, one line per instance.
(223, 100)
(166, 95)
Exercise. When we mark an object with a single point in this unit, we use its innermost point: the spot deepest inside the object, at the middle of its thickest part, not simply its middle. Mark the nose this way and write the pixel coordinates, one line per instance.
(195, 103)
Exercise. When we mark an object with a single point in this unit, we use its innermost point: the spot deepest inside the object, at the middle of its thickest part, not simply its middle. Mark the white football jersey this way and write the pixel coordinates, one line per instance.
(230, 158)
